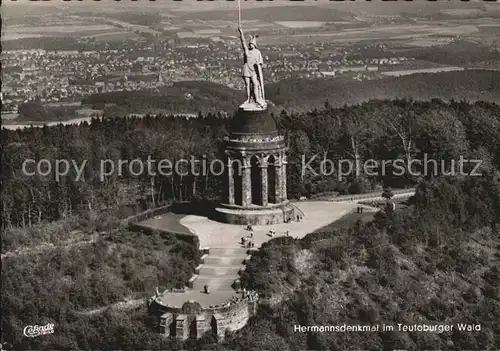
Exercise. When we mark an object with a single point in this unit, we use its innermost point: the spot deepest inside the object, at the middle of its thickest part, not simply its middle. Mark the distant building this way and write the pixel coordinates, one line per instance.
(352, 69)
(328, 74)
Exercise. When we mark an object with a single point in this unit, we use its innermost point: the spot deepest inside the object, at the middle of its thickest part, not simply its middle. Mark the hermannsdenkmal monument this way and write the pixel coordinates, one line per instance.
(255, 194)
(252, 72)
(256, 190)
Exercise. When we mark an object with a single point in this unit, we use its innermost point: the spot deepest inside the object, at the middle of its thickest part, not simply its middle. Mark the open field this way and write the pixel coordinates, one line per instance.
(492, 25)
(9, 116)
(131, 26)
(73, 103)
(406, 29)
(461, 12)
(426, 42)
(207, 31)
(419, 35)
(301, 24)
(18, 32)
(197, 34)
(85, 25)
(170, 28)
(16, 36)
(268, 23)
(423, 70)
(273, 14)
(41, 124)
(59, 29)
(114, 35)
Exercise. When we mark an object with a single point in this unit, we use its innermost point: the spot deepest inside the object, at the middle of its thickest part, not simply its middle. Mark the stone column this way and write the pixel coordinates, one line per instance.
(230, 181)
(277, 179)
(219, 326)
(201, 326)
(181, 327)
(283, 178)
(263, 179)
(165, 321)
(252, 308)
(246, 183)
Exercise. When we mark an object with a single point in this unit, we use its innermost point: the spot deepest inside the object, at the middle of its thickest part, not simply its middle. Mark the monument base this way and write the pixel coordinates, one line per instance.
(255, 215)
(254, 106)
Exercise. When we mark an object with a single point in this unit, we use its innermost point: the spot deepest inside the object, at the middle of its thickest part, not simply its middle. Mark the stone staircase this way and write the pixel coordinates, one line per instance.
(232, 261)
(215, 284)
(219, 269)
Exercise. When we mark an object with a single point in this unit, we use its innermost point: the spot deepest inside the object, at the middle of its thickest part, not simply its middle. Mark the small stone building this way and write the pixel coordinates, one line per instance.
(194, 321)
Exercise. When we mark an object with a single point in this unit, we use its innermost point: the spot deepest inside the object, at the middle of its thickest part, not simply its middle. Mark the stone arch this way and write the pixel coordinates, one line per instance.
(213, 326)
(271, 179)
(256, 180)
(193, 330)
(191, 308)
(237, 166)
(172, 328)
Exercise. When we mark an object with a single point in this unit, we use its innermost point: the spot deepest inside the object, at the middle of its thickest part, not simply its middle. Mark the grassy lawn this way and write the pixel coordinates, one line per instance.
(168, 221)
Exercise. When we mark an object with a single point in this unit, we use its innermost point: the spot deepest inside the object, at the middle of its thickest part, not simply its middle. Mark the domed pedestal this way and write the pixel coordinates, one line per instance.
(255, 215)
(256, 172)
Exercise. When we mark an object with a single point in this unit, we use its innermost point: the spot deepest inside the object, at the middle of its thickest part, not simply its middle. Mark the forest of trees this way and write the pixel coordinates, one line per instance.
(293, 95)
(35, 111)
(437, 262)
(459, 52)
(451, 230)
(302, 95)
(64, 284)
(143, 19)
(206, 97)
(380, 130)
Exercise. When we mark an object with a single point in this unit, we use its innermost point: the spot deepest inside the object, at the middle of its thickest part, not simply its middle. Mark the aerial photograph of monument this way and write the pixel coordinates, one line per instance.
(250, 175)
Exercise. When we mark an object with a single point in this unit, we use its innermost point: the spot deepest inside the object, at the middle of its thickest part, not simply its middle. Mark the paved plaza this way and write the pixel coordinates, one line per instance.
(205, 300)
(226, 254)
(317, 214)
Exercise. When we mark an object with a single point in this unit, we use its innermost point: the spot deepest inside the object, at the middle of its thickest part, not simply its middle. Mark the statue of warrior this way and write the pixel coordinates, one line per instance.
(252, 70)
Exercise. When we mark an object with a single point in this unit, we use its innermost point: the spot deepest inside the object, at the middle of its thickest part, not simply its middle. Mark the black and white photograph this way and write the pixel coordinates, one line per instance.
(268, 175)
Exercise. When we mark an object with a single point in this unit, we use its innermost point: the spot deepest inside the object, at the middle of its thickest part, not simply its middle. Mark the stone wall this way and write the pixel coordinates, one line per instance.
(260, 216)
(145, 215)
(236, 317)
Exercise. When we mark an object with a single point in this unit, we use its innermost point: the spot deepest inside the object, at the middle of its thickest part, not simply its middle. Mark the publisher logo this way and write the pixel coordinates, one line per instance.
(32, 331)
